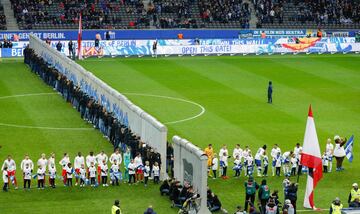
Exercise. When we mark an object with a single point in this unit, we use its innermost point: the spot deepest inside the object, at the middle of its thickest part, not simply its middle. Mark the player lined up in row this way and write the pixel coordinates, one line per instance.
(92, 170)
(287, 162)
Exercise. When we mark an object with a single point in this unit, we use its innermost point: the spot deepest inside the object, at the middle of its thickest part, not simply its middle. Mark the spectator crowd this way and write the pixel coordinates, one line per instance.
(2, 18)
(225, 11)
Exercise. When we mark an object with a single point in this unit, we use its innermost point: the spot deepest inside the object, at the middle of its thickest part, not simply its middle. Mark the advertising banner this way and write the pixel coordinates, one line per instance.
(205, 46)
(165, 34)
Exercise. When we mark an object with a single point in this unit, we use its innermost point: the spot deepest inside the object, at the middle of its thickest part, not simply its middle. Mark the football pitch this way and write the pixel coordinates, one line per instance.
(218, 100)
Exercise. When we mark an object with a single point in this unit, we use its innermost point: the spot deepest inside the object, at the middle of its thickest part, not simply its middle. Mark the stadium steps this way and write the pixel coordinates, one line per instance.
(11, 23)
(253, 18)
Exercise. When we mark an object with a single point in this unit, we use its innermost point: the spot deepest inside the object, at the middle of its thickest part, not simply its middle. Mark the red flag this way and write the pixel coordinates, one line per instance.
(80, 38)
(311, 158)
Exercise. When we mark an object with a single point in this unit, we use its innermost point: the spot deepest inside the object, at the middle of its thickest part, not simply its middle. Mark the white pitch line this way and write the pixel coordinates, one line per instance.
(177, 99)
(39, 127)
(45, 127)
(87, 129)
(26, 95)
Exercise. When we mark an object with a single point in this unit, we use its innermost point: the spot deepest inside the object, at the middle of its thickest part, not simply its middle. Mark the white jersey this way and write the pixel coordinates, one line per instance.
(43, 163)
(27, 173)
(138, 162)
(266, 160)
(131, 168)
(325, 160)
(329, 149)
(215, 163)
(51, 161)
(223, 152)
(224, 160)
(41, 174)
(69, 172)
(27, 162)
(297, 151)
(237, 152)
(156, 170)
(286, 156)
(101, 157)
(64, 162)
(237, 162)
(278, 161)
(146, 171)
(115, 168)
(249, 160)
(90, 159)
(82, 173)
(294, 162)
(115, 157)
(245, 153)
(274, 152)
(104, 169)
(10, 164)
(259, 154)
(52, 172)
(78, 161)
(92, 171)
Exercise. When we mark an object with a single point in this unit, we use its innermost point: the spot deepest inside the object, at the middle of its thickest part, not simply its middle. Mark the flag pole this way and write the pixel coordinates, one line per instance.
(80, 38)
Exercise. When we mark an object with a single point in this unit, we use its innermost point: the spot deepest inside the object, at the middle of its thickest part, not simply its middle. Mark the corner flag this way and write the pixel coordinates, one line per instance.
(80, 38)
(311, 158)
(349, 148)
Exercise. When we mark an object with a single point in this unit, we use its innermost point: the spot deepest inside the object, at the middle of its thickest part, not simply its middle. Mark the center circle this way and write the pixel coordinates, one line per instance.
(202, 111)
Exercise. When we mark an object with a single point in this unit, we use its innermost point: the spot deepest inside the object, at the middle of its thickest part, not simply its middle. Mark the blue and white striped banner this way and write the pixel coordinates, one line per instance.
(349, 149)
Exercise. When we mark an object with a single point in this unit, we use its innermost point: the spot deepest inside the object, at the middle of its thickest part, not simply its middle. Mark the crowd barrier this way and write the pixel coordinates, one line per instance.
(144, 125)
(204, 46)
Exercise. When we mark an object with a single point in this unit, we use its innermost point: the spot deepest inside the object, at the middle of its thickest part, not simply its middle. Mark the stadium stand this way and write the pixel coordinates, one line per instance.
(2, 18)
(225, 14)
(140, 14)
(341, 14)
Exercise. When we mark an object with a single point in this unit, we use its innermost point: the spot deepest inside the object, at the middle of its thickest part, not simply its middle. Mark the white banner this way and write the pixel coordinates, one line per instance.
(190, 165)
(144, 125)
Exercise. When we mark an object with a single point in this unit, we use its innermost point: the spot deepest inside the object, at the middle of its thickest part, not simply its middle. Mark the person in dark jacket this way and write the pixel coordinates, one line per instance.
(71, 49)
(215, 203)
(264, 195)
(59, 46)
(250, 190)
(292, 195)
(270, 91)
(165, 188)
(149, 210)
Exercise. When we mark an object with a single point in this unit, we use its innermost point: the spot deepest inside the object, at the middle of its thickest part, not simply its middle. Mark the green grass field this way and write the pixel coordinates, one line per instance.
(231, 89)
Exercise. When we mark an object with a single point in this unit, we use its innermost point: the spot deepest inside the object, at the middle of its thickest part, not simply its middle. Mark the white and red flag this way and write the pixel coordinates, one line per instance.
(311, 158)
(80, 38)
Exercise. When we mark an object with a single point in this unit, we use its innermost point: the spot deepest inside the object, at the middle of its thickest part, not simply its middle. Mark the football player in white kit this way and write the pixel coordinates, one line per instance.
(258, 156)
(274, 152)
(329, 152)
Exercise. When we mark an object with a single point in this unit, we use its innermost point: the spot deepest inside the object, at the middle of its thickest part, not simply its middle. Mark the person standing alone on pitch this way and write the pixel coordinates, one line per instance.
(270, 91)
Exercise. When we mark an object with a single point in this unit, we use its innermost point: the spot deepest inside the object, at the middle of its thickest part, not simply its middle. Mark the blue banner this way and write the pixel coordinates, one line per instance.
(168, 34)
